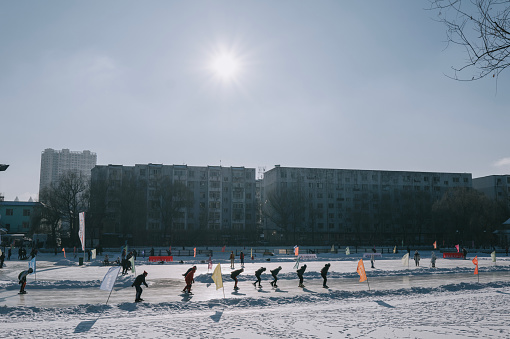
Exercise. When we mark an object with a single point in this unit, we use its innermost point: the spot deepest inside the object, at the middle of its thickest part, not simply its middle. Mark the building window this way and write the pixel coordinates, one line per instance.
(446, 182)
(9, 211)
(26, 213)
(25, 225)
(320, 225)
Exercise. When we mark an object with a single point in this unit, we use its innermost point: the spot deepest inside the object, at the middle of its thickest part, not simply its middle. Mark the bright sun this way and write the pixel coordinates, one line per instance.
(225, 66)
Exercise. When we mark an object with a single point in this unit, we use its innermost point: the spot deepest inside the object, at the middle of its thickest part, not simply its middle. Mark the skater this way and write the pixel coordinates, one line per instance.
(137, 285)
(300, 273)
(234, 275)
(372, 260)
(257, 275)
(22, 277)
(106, 260)
(232, 258)
(417, 258)
(190, 279)
(324, 273)
(274, 273)
(152, 252)
(2, 258)
(464, 253)
(433, 259)
(189, 270)
(9, 253)
(241, 256)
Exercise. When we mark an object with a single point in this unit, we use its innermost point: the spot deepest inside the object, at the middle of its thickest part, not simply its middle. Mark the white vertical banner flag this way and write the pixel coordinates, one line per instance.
(81, 232)
(109, 279)
(405, 260)
(32, 265)
(93, 254)
(347, 251)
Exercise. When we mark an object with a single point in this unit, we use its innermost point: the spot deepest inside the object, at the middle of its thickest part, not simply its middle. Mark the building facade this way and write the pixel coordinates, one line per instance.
(496, 187)
(16, 216)
(56, 162)
(355, 206)
(220, 203)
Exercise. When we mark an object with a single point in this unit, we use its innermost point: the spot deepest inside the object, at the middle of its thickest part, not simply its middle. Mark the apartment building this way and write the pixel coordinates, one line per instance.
(351, 205)
(56, 162)
(222, 201)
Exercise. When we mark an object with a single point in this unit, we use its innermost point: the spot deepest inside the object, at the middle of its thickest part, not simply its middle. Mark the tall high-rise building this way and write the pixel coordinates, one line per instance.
(56, 162)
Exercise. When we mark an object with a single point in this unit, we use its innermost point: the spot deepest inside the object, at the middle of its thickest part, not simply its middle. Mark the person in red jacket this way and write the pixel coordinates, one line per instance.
(190, 278)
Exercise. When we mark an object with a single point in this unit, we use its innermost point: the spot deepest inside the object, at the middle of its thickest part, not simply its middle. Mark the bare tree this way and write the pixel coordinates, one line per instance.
(482, 28)
(68, 197)
(49, 214)
(285, 208)
(173, 198)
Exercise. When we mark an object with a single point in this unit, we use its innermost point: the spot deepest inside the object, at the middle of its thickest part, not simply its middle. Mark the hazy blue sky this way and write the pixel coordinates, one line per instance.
(327, 84)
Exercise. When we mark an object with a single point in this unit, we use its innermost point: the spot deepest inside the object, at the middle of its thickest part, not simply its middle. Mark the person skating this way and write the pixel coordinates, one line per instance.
(232, 258)
(241, 256)
(257, 275)
(190, 279)
(324, 273)
(274, 273)
(300, 273)
(464, 253)
(9, 253)
(137, 284)
(2, 258)
(234, 275)
(417, 258)
(189, 270)
(22, 277)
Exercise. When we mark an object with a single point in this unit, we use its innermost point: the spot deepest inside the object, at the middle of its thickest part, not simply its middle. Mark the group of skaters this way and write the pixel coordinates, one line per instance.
(190, 273)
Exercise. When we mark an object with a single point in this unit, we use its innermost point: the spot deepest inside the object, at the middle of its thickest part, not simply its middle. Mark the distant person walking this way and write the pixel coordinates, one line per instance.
(258, 273)
(300, 273)
(241, 256)
(2, 258)
(464, 253)
(234, 275)
(324, 274)
(417, 258)
(137, 285)
(274, 273)
(433, 259)
(232, 258)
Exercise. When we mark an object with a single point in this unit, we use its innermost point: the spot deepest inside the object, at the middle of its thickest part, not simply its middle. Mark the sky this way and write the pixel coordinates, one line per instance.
(323, 84)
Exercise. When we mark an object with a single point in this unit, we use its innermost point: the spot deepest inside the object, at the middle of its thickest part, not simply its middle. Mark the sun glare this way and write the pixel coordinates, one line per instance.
(225, 66)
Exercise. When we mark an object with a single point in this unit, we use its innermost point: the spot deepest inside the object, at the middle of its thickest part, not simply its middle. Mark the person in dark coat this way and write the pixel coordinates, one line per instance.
(241, 256)
(257, 275)
(22, 277)
(464, 253)
(274, 273)
(234, 275)
(300, 273)
(190, 279)
(324, 273)
(137, 285)
(2, 258)
(9, 253)
(152, 251)
(417, 258)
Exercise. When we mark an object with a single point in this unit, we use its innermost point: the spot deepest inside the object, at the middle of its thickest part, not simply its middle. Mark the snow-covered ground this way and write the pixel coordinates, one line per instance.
(63, 300)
